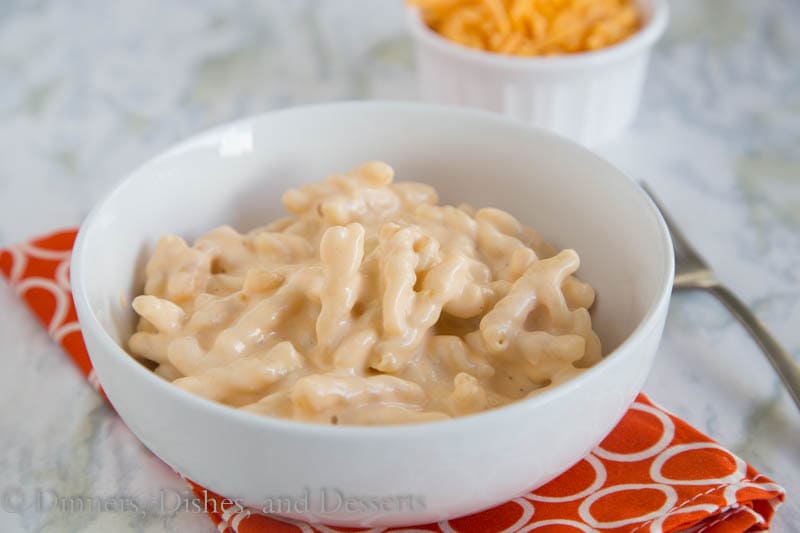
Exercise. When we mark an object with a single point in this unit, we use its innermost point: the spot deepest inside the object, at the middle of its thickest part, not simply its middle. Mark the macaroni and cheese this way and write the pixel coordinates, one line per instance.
(532, 27)
(370, 304)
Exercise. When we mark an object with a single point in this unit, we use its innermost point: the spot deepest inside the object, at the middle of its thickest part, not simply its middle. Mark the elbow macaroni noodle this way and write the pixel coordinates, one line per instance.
(532, 27)
(370, 304)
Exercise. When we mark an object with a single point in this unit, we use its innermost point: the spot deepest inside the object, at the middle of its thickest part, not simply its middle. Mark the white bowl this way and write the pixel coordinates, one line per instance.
(236, 174)
(589, 97)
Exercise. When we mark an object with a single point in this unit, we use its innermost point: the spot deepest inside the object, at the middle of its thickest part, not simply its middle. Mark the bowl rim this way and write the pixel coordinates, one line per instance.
(90, 323)
(643, 38)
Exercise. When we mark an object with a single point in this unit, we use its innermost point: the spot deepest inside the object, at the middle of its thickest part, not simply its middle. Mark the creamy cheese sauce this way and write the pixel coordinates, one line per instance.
(369, 304)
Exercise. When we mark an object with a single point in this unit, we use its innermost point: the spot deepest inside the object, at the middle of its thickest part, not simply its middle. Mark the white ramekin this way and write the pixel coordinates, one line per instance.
(589, 97)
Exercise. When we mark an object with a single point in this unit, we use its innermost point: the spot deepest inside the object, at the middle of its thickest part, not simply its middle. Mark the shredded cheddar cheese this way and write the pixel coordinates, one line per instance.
(532, 27)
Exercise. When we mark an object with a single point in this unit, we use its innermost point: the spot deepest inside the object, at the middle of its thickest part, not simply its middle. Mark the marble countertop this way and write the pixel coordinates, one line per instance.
(90, 89)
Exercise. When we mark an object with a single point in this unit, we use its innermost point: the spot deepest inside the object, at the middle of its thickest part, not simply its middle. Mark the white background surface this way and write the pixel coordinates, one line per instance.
(91, 89)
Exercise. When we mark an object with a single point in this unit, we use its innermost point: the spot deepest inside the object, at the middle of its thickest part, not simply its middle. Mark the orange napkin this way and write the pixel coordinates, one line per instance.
(654, 472)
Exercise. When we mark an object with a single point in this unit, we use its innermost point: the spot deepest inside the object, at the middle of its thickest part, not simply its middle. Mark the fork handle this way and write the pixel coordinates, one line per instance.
(787, 368)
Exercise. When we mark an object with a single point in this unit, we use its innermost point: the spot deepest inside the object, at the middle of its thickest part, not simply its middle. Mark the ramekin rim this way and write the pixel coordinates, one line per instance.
(639, 41)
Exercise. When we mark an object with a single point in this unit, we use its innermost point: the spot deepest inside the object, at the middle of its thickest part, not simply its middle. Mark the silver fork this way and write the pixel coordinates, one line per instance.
(693, 273)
